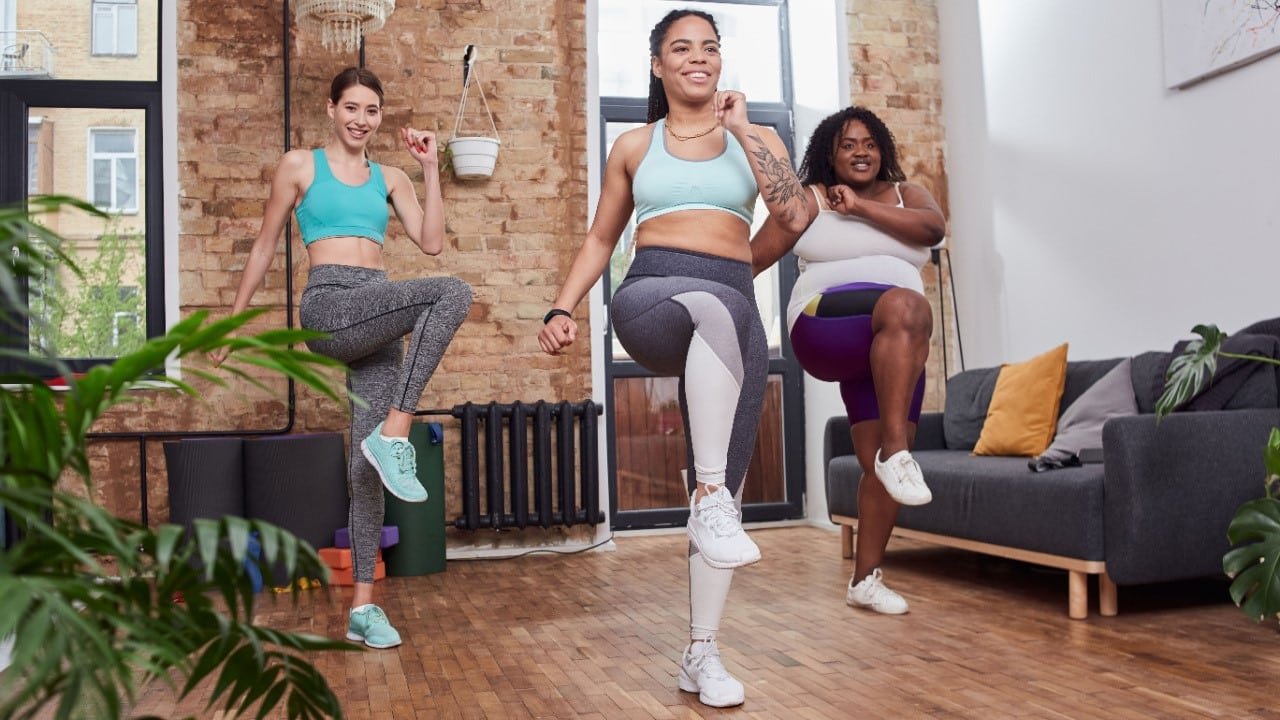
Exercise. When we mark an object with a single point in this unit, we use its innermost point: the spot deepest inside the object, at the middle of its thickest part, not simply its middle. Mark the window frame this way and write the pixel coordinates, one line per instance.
(113, 8)
(91, 174)
(633, 109)
(16, 99)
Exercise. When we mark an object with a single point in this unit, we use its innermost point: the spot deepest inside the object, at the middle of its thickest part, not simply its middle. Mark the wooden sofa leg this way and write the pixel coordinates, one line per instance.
(1077, 595)
(1107, 603)
(846, 541)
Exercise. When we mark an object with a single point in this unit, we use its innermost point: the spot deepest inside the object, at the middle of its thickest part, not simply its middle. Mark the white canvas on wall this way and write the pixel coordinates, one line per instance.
(1203, 38)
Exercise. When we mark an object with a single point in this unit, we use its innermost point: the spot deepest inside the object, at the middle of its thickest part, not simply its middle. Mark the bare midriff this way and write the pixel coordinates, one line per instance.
(713, 232)
(346, 250)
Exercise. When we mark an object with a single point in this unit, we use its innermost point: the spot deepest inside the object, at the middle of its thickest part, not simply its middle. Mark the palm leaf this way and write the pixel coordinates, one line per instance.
(83, 643)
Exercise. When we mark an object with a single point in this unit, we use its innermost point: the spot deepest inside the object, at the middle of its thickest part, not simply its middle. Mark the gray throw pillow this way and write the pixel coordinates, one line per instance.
(1080, 426)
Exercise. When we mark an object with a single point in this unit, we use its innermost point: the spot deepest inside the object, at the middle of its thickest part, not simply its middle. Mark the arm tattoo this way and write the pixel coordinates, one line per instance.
(783, 186)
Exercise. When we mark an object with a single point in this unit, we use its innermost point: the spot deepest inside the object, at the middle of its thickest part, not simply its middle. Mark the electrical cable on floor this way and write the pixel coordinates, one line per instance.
(547, 550)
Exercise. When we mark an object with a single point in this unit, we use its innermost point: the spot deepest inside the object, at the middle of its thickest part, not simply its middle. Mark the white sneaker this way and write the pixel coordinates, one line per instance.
(702, 672)
(901, 476)
(873, 595)
(715, 529)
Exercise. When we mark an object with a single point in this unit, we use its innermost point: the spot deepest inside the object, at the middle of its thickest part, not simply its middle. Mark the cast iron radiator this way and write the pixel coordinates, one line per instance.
(535, 436)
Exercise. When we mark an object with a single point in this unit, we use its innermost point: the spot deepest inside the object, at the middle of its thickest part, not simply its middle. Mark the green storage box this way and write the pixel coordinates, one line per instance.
(421, 548)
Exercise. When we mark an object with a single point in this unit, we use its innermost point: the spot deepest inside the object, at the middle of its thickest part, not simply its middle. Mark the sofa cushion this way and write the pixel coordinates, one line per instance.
(994, 500)
(968, 397)
(1024, 406)
(1080, 426)
(1147, 373)
(1081, 375)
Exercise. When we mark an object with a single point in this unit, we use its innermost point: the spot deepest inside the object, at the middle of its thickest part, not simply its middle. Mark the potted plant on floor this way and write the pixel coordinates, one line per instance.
(1254, 531)
(97, 606)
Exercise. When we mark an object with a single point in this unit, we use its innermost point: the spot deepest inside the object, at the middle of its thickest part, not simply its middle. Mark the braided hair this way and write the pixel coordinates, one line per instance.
(817, 168)
(657, 96)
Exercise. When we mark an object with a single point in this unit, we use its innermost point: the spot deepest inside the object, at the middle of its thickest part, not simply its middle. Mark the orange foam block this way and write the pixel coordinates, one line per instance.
(339, 562)
(339, 558)
(344, 577)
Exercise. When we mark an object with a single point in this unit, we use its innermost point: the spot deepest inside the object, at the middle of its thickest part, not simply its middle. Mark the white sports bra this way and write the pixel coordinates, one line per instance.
(832, 236)
(837, 249)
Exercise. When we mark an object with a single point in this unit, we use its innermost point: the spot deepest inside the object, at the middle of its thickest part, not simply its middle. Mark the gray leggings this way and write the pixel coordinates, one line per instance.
(367, 317)
(694, 316)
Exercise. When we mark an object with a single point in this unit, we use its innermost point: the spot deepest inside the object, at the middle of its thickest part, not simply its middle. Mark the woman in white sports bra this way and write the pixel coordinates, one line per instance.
(858, 315)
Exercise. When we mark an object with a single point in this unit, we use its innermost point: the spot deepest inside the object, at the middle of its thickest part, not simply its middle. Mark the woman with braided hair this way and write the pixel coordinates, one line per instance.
(687, 306)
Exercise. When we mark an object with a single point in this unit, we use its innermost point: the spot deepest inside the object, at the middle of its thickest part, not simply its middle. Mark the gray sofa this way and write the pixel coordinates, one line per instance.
(1152, 504)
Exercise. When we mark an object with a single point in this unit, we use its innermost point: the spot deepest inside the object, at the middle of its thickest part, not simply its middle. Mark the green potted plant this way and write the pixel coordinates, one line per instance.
(1253, 563)
(97, 606)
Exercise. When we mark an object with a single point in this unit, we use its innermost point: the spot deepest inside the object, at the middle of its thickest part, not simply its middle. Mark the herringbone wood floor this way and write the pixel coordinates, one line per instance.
(599, 635)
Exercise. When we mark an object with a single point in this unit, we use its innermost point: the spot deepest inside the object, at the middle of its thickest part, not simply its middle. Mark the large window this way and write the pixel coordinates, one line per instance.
(90, 128)
(115, 27)
(646, 436)
(113, 156)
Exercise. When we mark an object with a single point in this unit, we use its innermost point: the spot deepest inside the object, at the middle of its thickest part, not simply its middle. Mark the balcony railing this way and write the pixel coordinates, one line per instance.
(25, 53)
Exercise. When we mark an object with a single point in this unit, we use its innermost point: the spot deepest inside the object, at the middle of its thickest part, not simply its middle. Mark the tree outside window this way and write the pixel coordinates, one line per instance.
(97, 314)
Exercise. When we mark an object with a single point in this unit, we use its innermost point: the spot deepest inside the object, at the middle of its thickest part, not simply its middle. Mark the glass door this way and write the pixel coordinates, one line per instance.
(646, 432)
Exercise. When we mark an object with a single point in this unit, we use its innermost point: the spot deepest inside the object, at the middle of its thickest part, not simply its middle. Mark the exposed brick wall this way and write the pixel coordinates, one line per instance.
(511, 237)
(893, 51)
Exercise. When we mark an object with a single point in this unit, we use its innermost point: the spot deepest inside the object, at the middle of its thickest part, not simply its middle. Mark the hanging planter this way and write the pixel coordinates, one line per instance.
(472, 156)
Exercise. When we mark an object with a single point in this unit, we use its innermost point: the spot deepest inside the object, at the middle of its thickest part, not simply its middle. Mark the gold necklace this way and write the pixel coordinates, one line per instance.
(695, 136)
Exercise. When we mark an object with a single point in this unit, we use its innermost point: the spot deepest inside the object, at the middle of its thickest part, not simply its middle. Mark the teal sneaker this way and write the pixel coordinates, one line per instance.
(396, 464)
(370, 626)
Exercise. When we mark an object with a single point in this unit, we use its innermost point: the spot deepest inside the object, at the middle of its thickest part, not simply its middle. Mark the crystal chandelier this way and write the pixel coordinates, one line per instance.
(341, 23)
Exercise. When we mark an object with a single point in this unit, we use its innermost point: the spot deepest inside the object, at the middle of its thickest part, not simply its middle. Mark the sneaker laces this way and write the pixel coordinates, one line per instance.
(875, 588)
(374, 616)
(707, 662)
(721, 514)
(404, 454)
(901, 469)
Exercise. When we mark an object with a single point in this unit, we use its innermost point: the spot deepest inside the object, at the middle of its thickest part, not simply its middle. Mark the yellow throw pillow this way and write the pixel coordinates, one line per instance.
(1023, 415)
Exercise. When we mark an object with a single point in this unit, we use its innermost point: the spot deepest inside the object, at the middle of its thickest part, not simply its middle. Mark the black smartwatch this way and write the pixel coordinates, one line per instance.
(555, 312)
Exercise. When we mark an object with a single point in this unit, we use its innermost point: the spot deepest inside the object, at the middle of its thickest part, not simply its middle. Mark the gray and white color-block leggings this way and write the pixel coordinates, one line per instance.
(694, 316)
(367, 317)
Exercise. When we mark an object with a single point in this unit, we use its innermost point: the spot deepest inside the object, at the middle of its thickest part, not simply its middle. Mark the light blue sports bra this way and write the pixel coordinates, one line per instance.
(664, 183)
(332, 208)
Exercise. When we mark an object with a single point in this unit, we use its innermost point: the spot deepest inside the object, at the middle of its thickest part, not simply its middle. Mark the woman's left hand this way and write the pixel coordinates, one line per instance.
(731, 109)
(421, 144)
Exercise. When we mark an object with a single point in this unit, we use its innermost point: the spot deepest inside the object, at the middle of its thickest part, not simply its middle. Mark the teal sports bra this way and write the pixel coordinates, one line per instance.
(664, 183)
(332, 208)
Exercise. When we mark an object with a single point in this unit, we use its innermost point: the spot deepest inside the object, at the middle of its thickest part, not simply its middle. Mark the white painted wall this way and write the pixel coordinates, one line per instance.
(1090, 204)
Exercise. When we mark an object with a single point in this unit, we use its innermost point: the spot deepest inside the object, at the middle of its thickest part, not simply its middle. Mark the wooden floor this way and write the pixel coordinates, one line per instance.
(599, 635)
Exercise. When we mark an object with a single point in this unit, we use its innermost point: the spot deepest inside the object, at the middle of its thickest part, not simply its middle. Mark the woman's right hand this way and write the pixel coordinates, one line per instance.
(559, 333)
(843, 199)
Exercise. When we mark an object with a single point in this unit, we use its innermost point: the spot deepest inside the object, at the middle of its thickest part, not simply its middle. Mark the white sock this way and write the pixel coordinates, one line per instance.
(708, 590)
(393, 439)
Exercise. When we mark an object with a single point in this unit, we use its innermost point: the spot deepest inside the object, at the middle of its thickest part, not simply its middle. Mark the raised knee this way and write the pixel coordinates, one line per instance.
(909, 311)
(461, 290)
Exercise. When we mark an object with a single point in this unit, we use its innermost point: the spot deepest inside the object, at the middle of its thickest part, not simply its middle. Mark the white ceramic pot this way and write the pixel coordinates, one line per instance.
(473, 157)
